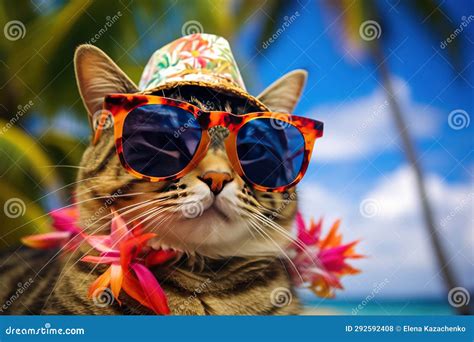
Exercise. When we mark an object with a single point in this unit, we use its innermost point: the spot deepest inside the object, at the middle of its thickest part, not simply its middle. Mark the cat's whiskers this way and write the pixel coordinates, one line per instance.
(163, 219)
(255, 202)
(65, 166)
(46, 214)
(65, 270)
(249, 229)
(235, 204)
(261, 230)
(148, 213)
(272, 225)
(63, 207)
(279, 200)
(253, 215)
(138, 205)
(159, 220)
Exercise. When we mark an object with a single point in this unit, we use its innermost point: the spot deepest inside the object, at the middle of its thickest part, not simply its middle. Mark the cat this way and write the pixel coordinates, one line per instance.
(233, 252)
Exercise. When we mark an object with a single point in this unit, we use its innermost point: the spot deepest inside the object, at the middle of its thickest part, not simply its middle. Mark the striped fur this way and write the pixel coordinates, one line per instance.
(27, 277)
(226, 287)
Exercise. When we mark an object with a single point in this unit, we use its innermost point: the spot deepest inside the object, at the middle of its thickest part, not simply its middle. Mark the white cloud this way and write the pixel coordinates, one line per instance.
(398, 198)
(395, 239)
(314, 199)
(359, 128)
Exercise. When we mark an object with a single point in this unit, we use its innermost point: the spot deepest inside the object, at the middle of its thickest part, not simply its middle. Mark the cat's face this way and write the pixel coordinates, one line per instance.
(211, 211)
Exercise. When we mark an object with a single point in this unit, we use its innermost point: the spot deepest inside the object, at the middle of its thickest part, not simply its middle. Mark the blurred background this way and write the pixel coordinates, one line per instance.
(392, 80)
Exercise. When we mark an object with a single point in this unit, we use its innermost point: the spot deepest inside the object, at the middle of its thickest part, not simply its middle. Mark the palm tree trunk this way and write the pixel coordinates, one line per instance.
(443, 264)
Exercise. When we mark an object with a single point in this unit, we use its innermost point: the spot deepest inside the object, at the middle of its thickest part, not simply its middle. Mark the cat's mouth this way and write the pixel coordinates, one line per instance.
(219, 213)
(214, 210)
(207, 206)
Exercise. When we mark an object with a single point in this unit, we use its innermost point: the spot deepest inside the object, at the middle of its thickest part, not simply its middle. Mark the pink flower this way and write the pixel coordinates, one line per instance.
(129, 258)
(323, 262)
(124, 250)
(66, 235)
(198, 53)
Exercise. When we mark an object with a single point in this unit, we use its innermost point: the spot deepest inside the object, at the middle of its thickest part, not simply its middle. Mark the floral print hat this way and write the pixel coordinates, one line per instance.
(198, 59)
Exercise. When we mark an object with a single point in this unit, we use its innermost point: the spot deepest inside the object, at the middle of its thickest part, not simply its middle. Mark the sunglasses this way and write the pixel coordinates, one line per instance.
(160, 139)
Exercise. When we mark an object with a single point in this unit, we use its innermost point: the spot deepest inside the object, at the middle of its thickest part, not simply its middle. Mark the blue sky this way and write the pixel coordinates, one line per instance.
(360, 159)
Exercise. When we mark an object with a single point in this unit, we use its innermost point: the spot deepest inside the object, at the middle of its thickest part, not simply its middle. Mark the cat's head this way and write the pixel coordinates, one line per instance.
(211, 211)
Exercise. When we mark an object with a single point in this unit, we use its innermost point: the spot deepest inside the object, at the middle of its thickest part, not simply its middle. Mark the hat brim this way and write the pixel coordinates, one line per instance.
(220, 87)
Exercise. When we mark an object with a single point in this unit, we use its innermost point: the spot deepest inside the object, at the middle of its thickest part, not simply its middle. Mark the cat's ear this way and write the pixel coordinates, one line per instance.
(284, 94)
(97, 75)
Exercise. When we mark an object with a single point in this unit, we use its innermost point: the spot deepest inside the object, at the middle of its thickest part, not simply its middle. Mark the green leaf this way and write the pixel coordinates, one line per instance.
(21, 216)
(25, 152)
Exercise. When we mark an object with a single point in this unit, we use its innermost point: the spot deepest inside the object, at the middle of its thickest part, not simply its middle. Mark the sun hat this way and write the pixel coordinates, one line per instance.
(199, 59)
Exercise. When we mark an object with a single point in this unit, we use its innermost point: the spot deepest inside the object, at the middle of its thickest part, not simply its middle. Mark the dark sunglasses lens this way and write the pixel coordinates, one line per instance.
(270, 151)
(159, 140)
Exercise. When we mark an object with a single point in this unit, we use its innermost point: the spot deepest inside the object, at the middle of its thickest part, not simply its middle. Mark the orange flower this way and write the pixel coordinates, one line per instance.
(323, 260)
(124, 250)
(129, 258)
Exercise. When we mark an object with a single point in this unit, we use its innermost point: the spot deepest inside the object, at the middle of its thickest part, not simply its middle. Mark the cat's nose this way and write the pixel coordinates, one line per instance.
(216, 180)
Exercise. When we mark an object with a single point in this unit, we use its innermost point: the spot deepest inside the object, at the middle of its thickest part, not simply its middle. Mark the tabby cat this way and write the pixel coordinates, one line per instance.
(232, 254)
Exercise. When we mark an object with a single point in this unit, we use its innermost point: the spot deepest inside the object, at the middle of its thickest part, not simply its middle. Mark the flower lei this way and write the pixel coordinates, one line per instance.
(320, 262)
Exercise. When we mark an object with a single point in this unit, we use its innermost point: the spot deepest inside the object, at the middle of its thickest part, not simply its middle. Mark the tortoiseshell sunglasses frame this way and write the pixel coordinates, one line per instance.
(120, 105)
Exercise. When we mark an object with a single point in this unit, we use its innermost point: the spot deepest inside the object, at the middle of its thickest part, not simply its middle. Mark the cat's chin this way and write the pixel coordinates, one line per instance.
(213, 235)
(224, 251)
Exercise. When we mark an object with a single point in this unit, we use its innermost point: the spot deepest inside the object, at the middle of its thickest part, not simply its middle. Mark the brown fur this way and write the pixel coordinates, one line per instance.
(231, 287)
(238, 287)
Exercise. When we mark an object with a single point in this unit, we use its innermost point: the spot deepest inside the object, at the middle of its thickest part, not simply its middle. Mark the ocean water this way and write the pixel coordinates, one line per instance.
(377, 307)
